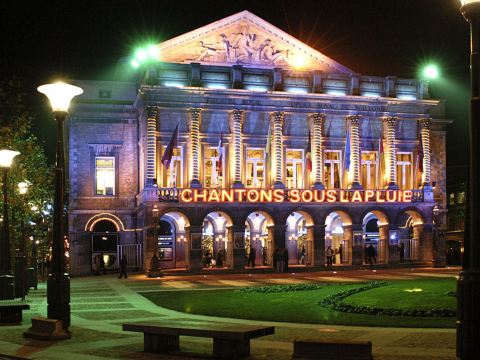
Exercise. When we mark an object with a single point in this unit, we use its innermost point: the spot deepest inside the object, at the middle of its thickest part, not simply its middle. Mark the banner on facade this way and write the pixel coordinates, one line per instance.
(295, 196)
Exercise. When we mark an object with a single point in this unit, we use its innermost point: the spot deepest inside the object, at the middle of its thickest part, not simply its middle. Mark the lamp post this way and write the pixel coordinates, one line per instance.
(58, 284)
(7, 288)
(468, 285)
(21, 287)
(154, 270)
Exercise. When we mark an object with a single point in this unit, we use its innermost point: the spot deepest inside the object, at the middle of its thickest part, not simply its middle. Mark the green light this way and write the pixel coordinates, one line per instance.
(135, 64)
(153, 51)
(141, 55)
(431, 72)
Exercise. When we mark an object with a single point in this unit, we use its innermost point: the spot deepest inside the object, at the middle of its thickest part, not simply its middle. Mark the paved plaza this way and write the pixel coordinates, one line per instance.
(100, 304)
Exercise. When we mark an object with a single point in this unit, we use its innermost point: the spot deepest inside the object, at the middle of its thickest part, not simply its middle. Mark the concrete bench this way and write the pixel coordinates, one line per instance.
(229, 341)
(11, 311)
(332, 350)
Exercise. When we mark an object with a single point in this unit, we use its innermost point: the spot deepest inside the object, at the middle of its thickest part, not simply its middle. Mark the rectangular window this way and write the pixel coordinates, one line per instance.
(404, 170)
(333, 169)
(294, 168)
(369, 170)
(173, 176)
(105, 176)
(255, 164)
(213, 171)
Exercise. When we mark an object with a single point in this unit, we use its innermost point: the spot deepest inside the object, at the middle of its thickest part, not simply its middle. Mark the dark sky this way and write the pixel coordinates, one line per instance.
(84, 39)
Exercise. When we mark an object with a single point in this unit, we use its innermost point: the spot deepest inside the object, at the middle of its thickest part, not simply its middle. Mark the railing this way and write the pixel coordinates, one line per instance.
(173, 194)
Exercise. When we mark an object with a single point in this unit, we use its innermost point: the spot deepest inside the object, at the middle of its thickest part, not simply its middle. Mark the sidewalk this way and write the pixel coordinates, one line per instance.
(100, 304)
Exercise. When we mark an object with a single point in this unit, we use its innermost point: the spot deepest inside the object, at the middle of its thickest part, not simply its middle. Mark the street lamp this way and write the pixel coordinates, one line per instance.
(468, 285)
(7, 288)
(58, 284)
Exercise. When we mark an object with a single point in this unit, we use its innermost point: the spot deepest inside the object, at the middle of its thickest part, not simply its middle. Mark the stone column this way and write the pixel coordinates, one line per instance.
(278, 149)
(316, 234)
(355, 151)
(425, 134)
(193, 250)
(277, 232)
(426, 243)
(391, 153)
(236, 150)
(236, 234)
(151, 149)
(194, 120)
(317, 150)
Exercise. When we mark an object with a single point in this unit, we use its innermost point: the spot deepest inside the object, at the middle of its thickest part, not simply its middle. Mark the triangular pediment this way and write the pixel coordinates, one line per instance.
(245, 39)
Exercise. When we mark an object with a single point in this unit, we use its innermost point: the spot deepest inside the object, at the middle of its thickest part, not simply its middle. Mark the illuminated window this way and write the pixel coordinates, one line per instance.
(213, 174)
(461, 197)
(369, 169)
(404, 170)
(173, 176)
(451, 198)
(294, 169)
(333, 169)
(105, 175)
(255, 161)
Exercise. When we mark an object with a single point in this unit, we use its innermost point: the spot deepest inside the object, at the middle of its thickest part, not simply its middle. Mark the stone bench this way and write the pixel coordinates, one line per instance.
(332, 350)
(11, 311)
(229, 341)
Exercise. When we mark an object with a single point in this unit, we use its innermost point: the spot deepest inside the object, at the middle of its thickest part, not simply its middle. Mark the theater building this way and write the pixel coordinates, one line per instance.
(278, 146)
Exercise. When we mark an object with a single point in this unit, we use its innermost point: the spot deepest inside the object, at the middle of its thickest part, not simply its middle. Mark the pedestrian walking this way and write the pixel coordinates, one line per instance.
(96, 262)
(219, 258)
(329, 254)
(302, 255)
(123, 267)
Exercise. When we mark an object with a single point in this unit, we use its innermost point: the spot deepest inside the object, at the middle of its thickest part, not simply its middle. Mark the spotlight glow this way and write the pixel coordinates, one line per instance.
(431, 72)
(141, 55)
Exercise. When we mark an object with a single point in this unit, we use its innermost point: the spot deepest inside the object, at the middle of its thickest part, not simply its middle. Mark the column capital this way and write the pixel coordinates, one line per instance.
(195, 111)
(390, 120)
(278, 115)
(237, 116)
(152, 111)
(425, 122)
(354, 119)
(318, 117)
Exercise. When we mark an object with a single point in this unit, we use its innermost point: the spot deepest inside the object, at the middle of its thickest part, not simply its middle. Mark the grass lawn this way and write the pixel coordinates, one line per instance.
(303, 306)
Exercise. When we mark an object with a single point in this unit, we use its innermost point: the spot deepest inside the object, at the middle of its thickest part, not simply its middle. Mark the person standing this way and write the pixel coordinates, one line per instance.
(96, 261)
(329, 254)
(302, 255)
(401, 252)
(279, 260)
(219, 259)
(285, 259)
(102, 264)
(264, 256)
(371, 254)
(123, 267)
(340, 252)
(252, 256)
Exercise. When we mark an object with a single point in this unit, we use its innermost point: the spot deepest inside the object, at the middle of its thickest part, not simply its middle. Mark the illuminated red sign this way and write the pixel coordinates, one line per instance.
(294, 196)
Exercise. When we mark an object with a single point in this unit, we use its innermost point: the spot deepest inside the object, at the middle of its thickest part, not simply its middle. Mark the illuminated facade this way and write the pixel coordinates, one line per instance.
(257, 110)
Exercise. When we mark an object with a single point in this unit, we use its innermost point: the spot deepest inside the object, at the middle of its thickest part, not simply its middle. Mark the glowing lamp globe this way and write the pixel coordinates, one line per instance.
(6, 157)
(60, 95)
(153, 51)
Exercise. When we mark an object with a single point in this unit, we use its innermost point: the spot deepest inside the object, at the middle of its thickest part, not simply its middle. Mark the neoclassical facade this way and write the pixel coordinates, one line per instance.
(257, 112)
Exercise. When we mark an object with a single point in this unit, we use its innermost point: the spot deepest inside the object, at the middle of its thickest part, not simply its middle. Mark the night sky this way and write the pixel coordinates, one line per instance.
(43, 40)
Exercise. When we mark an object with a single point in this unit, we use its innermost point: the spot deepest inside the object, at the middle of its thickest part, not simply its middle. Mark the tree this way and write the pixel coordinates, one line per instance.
(31, 165)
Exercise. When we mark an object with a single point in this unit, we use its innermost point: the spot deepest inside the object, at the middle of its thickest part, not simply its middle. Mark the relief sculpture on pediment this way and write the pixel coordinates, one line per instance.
(241, 47)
